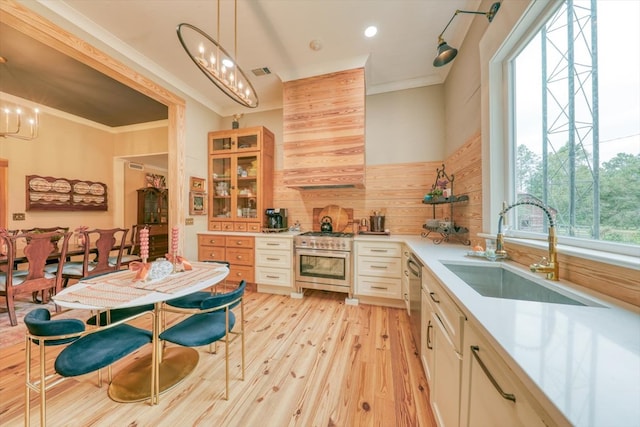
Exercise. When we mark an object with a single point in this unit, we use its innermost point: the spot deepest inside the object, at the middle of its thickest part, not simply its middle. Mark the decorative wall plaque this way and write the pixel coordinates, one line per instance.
(49, 193)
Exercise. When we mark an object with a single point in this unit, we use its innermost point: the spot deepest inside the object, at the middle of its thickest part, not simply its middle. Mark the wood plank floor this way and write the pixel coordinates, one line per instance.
(309, 362)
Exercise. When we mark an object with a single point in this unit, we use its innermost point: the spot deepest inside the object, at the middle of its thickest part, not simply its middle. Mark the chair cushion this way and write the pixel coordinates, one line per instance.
(124, 260)
(118, 314)
(19, 276)
(199, 329)
(193, 300)
(100, 349)
(71, 268)
(39, 323)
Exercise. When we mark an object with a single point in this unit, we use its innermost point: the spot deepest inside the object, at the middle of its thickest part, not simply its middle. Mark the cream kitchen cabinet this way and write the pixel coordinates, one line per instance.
(492, 395)
(378, 269)
(443, 350)
(274, 264)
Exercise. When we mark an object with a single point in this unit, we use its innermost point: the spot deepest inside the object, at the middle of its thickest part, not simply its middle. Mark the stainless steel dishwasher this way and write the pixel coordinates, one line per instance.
(415, 297)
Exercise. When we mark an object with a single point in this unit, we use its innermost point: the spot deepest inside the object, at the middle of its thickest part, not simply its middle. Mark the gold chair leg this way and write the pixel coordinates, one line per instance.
(27, 391)
(43, 397)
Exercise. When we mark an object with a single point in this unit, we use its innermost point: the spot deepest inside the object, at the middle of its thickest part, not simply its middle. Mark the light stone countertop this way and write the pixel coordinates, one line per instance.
(585, 360)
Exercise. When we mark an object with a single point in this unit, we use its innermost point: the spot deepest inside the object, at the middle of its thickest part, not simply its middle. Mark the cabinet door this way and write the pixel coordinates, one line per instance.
(220, 191)
(495, 399)
(245, 192)
(445, 394)
(427, 341)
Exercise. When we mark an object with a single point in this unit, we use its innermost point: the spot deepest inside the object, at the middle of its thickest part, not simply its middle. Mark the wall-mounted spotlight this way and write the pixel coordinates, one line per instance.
(446, 53)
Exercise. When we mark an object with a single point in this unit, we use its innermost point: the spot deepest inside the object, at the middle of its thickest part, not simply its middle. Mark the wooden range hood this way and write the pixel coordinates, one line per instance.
(324, 123)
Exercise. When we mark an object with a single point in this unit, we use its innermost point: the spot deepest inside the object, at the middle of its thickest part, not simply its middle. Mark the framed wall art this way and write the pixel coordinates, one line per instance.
(197, 203)
(197, 184)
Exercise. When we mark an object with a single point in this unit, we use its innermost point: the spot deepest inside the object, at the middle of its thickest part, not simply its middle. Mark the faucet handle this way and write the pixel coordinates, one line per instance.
(543, 261)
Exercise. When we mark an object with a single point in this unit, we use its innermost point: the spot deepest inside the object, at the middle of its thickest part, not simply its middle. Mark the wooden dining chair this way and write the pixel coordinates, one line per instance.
(37, 248)
(87, 350)
(131, 253)
(213, 321)
(99, 244)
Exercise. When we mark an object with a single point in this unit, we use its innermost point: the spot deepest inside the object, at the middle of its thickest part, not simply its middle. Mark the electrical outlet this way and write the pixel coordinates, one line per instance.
(18, 216)
(188, 221)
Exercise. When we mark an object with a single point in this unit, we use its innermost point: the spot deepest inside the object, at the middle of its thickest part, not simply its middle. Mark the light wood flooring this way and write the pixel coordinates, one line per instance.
(309, 362)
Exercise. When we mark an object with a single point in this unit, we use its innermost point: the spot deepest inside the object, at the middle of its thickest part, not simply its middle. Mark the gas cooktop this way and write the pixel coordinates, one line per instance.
(327, 234)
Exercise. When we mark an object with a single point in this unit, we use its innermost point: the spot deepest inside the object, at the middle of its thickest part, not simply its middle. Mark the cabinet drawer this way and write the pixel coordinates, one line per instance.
(215, 226)
(379, 266)
(211, 253)
(210, 240)
(273, 276)
(240, 256)
(273, 243)
(239, 242)
(448, 312)
(254, 227)
(240, 272)
(385, 249)
(226, 226)
(276, 259)
(379, 287)
(240, 226)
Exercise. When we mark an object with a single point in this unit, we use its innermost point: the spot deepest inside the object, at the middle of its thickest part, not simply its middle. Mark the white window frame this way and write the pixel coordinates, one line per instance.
(498, 130)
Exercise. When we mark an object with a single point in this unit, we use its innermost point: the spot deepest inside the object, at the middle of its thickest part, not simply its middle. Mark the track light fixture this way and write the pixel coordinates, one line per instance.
(446, 53)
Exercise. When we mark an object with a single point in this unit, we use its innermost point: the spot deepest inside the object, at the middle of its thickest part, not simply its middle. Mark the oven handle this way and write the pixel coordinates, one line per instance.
(330, 254)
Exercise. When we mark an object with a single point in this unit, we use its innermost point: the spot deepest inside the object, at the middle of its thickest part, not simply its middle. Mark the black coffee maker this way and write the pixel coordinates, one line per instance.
(276, 219)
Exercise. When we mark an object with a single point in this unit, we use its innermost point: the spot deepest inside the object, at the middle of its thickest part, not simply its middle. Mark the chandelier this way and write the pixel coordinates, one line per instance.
(216, 63)
(11, 124)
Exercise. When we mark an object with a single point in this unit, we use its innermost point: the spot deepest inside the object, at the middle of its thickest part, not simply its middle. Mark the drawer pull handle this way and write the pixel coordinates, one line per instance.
(382, 288)
(383, 251)
(239, 242)
(380, 267)
(273, 244)
(212, 241)
(273, 259)
(272, 277)
(429, 328)
(239, 257)
(432, 295)
(508, 396)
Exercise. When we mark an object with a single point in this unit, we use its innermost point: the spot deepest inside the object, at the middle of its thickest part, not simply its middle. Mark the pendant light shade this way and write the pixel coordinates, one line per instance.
(447, 53)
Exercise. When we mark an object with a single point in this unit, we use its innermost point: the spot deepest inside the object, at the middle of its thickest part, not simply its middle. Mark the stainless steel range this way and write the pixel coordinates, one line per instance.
(323, 261)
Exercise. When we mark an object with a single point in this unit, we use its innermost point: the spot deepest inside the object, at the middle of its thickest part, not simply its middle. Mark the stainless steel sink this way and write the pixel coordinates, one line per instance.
(498, 281)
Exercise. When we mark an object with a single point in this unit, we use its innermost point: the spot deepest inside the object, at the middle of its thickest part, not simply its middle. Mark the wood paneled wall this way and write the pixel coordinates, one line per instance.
(397, 190)
(323, 130)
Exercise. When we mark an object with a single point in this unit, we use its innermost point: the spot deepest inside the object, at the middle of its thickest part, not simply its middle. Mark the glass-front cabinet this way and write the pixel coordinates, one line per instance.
(241, 178)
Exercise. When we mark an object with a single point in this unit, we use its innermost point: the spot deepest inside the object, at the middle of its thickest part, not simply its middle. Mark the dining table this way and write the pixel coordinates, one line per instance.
(123, 289)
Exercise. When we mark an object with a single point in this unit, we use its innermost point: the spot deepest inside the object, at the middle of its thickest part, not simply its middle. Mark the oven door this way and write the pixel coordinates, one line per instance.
(327, 270)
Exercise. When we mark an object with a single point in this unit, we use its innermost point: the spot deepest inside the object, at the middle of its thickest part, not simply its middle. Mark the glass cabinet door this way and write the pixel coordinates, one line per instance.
(247, 186)
(222, 186)
(222, 144)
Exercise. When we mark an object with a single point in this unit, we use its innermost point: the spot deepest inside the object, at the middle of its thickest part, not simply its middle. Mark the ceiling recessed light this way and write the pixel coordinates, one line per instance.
(371, 31)
(315, 45)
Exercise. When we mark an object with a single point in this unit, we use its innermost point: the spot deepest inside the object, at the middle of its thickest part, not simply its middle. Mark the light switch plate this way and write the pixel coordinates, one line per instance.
(188, 221)
(19, 216)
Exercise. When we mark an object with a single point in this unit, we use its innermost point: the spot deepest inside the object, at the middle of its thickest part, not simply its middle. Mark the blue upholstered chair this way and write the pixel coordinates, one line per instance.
(211, 322)
(87, 351)
(195, 299)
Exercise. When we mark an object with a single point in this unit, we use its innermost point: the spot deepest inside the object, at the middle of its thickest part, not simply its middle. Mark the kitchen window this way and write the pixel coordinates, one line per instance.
(575, 132)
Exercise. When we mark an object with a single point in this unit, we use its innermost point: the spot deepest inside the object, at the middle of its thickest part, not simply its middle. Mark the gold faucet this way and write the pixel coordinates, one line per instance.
(549, 265)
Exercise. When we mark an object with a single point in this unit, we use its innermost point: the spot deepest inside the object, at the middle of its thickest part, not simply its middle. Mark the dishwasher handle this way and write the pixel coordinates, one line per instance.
(418, 268)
